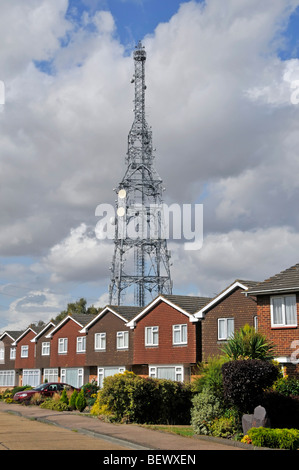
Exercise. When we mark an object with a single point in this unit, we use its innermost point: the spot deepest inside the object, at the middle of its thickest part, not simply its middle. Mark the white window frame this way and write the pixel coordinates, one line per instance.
(153, 336)
(179, 329)
(283, 308)
(179, 371)
(25, 350)
(81, 344)
(2, 353)
(225, 336)
(7, 378)
(62, 345)
(122, 340)
(51, 375)
(100, 342)
(46, 348)
(12, 354)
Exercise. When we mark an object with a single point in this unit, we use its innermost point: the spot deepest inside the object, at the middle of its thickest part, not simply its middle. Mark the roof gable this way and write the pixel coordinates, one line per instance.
(125, 313)
(80, 320)
(235, 285)
(187, 305)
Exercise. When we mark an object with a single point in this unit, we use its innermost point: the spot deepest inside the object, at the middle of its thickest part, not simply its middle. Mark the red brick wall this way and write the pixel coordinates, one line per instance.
(109, 324)
(69, 330)
(26, 362)
(236, 305)
(282, 337)
(164, 316)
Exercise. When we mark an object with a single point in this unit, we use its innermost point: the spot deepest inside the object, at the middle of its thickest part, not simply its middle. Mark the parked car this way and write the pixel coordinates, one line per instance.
(46, 390)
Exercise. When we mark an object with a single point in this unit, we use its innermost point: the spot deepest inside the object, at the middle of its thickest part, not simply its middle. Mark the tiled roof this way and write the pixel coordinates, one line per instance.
(190, 304)
(127, 312)
(83, 318)
(286, 280)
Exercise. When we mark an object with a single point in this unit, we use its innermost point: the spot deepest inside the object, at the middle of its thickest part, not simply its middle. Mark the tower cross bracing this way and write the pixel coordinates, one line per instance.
(141, 261)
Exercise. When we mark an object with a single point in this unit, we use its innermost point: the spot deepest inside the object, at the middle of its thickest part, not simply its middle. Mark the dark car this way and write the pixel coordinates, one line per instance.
(46, 390)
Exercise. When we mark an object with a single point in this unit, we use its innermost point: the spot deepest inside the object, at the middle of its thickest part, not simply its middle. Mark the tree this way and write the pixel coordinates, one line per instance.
(76, 308)
(247, 343)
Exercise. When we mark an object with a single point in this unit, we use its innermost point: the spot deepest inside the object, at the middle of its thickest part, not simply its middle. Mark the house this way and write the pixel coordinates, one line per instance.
(277, 312)
(227, 312)
(109, 342)
(42, 354)
(167, 337)
(25, 358)
(68, 349)
(8, 377)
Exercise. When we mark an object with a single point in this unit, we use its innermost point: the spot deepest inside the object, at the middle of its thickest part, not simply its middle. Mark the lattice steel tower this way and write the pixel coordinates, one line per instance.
(141, 260)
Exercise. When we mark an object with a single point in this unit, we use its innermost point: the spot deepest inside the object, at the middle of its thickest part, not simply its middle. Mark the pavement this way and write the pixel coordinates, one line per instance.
(34, 428)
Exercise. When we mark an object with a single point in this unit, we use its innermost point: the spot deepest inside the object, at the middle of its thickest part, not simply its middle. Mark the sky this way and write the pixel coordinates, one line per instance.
(222, 100)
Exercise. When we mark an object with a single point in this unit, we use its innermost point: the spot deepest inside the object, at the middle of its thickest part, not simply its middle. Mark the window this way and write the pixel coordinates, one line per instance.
(7, 378)
(72, 376)
(45, 349)
(62, 345)
(50, 375)
(100, 341)
(2, 350)
(122, 340)
(179, 334)
(225, 328)
(13, 353)
(175, 373)
(152, 336)
(81, 344)
(284, 311)
(24, 351)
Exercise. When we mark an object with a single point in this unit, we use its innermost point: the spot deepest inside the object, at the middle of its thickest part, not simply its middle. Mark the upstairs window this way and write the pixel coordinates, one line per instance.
(45, 349)
(62, 345)
(152, 336)
(24, 351)
(122, 340)
(81, 344)
(100, 341)
(225, 328)
(13, 353)
(284, 311)
(179, 334)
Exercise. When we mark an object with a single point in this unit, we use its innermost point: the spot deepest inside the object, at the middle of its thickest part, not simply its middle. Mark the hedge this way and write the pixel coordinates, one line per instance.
(274, 438)
(132, 398)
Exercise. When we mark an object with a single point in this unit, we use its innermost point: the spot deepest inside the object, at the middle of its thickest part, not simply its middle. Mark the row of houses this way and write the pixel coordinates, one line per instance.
(166, 339)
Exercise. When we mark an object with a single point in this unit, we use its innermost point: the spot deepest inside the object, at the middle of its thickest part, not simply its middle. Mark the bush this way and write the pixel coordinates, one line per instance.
(287, 386)
(64, 397)
(206, 408)
(274, 438)
(72, 400)
(81, 401)
(132, 398)
(247, 343)
(244, 382)
(53, 404)
(211, 377)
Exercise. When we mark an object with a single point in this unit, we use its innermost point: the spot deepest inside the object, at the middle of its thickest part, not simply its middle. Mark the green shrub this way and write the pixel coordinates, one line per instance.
(274, 438)
(81, 401)
(51, 404)
(64, 397)
(206, 408)
(244, 382)
(132, 398)
(287, 386)
(72, 400)
(210, 376)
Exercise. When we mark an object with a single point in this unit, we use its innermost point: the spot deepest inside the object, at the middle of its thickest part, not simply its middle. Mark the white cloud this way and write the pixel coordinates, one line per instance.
(219, 102)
